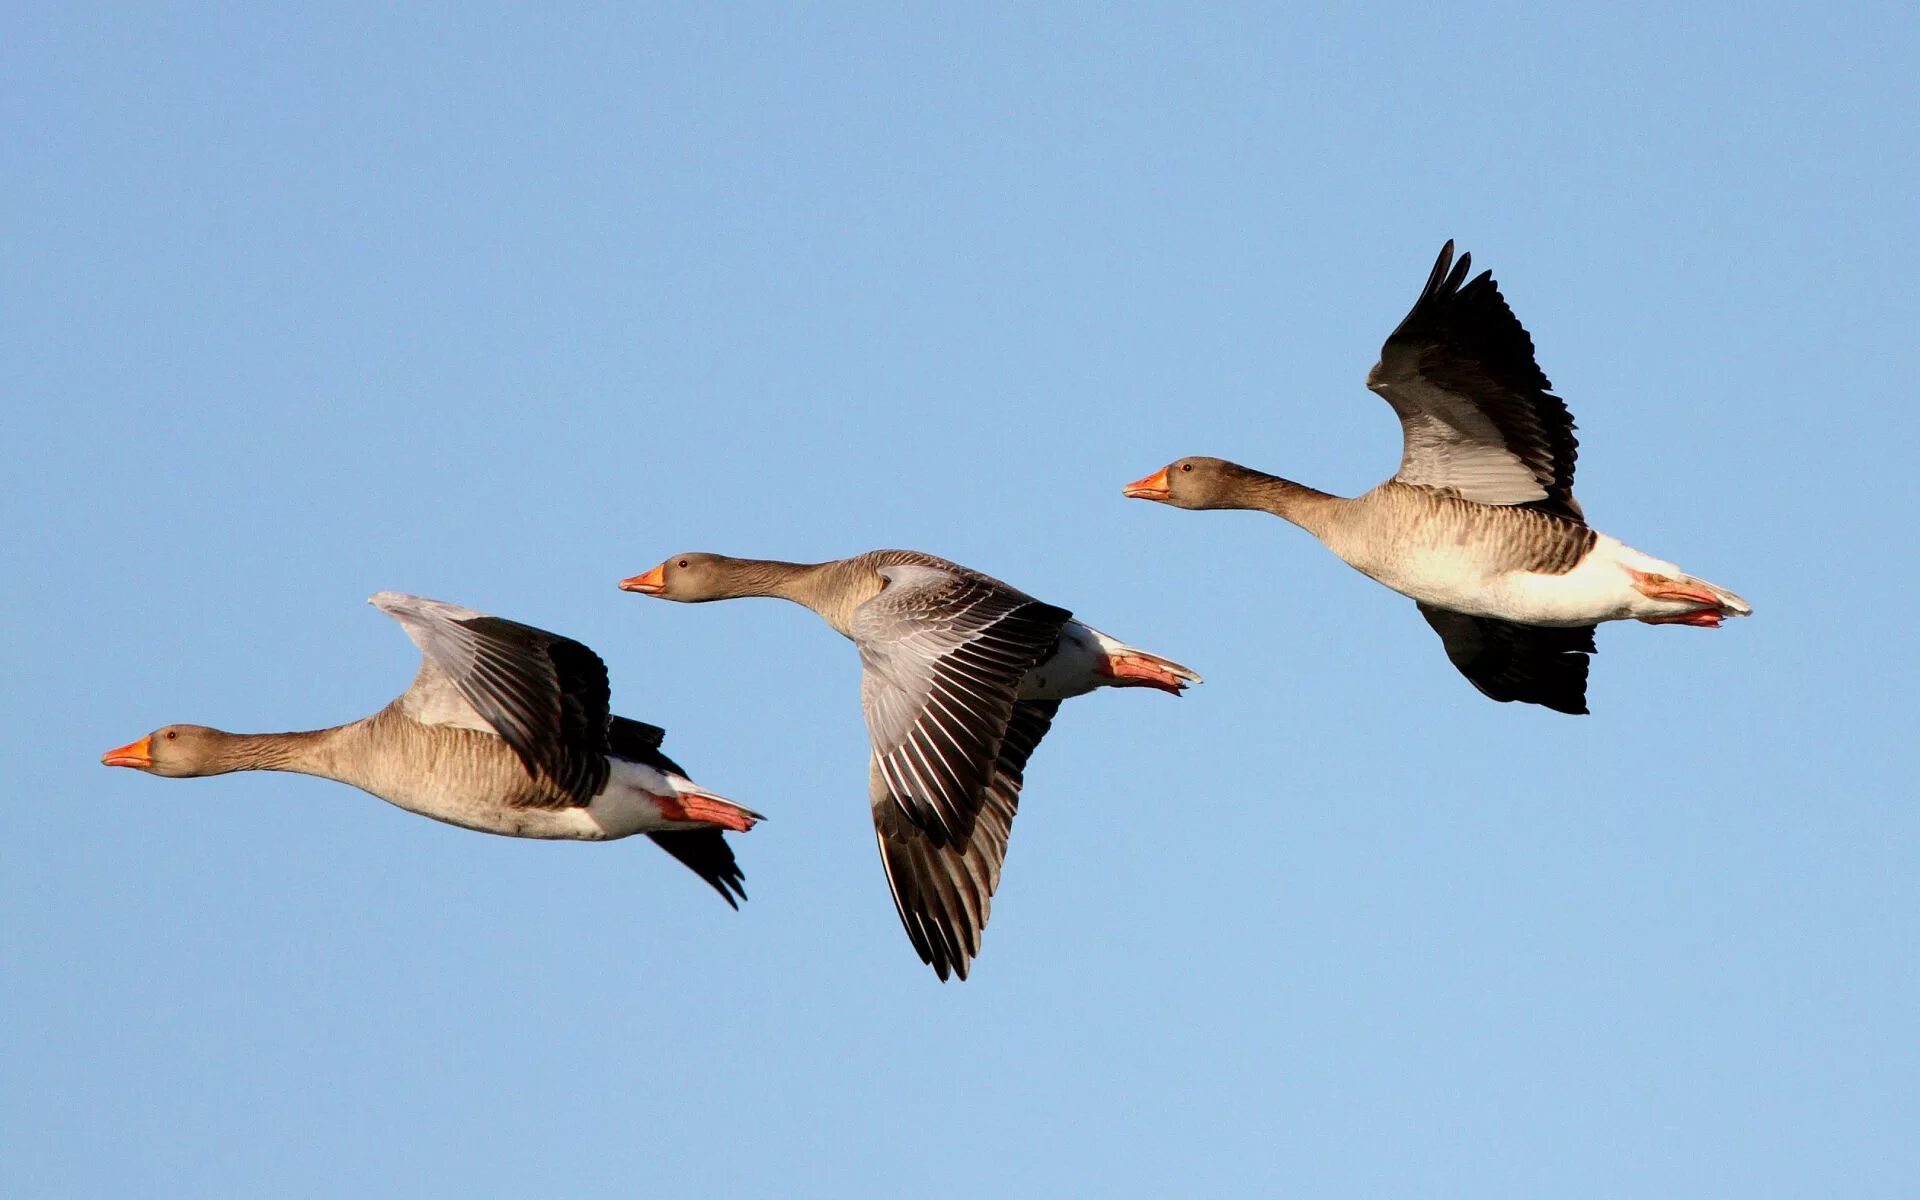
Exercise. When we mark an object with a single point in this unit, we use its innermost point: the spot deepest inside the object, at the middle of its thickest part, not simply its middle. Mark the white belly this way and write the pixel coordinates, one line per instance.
(1598, 589)
(1441, 576)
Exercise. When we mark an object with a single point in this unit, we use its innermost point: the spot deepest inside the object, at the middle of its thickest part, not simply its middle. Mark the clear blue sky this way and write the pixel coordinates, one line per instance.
(499, 306)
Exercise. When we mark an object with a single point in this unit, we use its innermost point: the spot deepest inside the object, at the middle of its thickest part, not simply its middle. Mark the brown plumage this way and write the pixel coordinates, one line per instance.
(1479, 525)
(504, 730)
(962, 675)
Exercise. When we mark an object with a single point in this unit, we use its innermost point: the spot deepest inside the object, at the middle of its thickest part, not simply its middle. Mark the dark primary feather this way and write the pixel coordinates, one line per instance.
(943, 890)
(1537, 664)
(1462, 337)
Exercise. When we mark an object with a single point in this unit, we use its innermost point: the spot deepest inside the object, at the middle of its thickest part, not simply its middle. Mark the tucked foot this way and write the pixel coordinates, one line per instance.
(1712, 603)
(707, 809)
(1136, 668)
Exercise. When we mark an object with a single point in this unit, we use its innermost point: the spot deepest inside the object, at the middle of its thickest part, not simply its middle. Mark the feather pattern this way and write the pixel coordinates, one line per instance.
(944, 650)
(545, 695)
(943, 890)
(1478, 415)
(1400, 524)
(961, 677)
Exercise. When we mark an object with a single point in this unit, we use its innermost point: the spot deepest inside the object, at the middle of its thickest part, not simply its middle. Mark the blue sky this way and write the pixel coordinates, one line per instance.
(502, 305)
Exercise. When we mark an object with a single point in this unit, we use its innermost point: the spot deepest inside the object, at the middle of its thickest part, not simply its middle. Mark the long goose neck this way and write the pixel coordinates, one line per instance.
(803, 583)
(1309, 508)
(308, 752)
(831, 589)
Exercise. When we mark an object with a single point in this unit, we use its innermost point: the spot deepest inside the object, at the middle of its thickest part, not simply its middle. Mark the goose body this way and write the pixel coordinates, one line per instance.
(1511, 564)
(961, 678)
(1479, 526)
(505, 730)
(472, 779)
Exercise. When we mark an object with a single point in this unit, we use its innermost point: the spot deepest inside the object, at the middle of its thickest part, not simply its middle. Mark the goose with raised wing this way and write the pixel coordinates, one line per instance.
(961, 678)
(1479, 526)
(505, 730)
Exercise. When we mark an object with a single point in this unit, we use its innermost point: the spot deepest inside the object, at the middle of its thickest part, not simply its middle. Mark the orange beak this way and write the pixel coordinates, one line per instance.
(651, 584)
(133, 754)
(1153, 487)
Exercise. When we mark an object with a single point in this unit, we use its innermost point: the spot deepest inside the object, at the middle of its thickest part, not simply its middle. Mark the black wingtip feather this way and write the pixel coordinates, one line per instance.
(708, 854)
(1439, 272)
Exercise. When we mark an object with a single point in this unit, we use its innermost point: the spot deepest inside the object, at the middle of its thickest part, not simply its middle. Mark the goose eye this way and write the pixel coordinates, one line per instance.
(172, 734)
(1186, 466)
(682, 562)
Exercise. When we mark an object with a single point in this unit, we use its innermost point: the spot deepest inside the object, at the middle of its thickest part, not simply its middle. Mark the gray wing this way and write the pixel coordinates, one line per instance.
(1478, 415)
(1535, 664)
(943, 652)
(545, 695)
(943, 891)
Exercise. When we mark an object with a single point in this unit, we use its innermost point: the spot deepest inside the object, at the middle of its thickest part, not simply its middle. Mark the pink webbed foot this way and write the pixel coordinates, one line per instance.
(707, 809)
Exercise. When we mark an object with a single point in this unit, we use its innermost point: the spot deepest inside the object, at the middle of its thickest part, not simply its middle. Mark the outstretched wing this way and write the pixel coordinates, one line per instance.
(545, 695)
(944, 651)
(943, 890)
(1537, 664)
(1478, 415)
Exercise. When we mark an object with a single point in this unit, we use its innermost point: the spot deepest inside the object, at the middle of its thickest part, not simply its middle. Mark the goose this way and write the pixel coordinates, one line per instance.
(1479, 525)
(504, 730)
(961, 678)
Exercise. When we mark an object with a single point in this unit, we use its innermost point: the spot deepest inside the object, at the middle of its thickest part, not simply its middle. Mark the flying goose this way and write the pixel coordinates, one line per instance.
(504, 730)
(961, 678)
(1479, 525)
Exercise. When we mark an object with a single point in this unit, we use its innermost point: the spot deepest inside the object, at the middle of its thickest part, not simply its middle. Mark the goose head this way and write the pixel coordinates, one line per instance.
(691, 578)
(175, 751)
(1197, 482)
